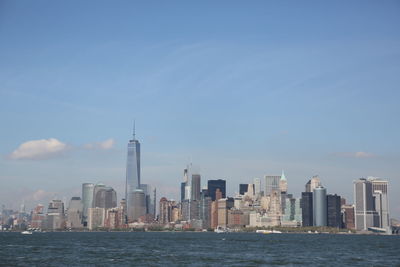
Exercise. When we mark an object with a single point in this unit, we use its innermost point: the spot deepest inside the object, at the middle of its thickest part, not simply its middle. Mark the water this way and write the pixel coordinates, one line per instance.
(196, 249)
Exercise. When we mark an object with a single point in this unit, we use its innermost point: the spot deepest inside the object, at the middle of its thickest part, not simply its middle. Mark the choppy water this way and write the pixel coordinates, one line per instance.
(196, 249)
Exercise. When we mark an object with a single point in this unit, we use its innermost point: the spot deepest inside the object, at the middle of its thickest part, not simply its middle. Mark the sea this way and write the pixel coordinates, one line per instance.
(196, 249)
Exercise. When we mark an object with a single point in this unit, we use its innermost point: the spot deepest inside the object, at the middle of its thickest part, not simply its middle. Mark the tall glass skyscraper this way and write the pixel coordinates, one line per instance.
(132, 174)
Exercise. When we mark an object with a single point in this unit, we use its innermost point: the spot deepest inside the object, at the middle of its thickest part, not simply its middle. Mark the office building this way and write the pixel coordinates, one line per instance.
(271, 184)
(380, 193)
(132, 176)
(334, 211)
(139, 204)
(104, 197)
(195, 187)
(365, 214)
(320, 214)
(96, 218)
(224, 204)
(87, 200)
(313, 183)
(307, 209)
(213, 185)
(348, 219)
(55, 219)
(257, 187)
(75, 213)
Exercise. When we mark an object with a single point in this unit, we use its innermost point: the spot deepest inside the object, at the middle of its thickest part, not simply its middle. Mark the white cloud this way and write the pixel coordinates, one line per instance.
(104, 145)
(359, 154)
(39, 149)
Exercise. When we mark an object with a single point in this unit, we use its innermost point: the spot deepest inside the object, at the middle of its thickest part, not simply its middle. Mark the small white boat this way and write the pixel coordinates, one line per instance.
(268, 232)
(220, 230)
(26, 232)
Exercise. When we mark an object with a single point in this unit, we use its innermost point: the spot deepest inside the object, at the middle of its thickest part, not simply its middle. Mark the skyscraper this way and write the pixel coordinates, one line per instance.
(195, 188)
(132, 174)
(365, 214)
(87, 200)
(74, 213)
(320, 206)
(380, 192)
(271, 184)
(334, 211)
(212, 186)
(307, 208)
(257, 186)
(313, 183)
(104, 197)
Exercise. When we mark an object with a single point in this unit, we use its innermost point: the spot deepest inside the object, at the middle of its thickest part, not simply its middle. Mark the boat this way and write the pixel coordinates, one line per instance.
(268, 232)
(220, 230)
(26, 232)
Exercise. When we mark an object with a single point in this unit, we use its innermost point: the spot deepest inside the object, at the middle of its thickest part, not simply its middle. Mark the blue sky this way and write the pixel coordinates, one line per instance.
(244, 89)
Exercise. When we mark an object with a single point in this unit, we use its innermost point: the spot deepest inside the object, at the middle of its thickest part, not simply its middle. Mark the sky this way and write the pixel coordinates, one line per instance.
(240, 89)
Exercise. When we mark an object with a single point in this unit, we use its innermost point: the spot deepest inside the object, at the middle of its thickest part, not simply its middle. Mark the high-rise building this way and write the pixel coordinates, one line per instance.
(271, 184)
(139, 207)
(224, 204)
(205, 211)
(365, 214)
(348, 216)
(55, 219)
(275, 210)
(104, 197)
(96, 218)
(183, 188)
(243, 188)
(380, 192)
(307, 208)
(313, 183)
(38, 217)
(320, 214)
(334, 211)
(292, 211)
(150, 200)
(74, 213)
(195, 187)
(213, 185)
(257, 186)
(132, 174)
(283, 183)
(87, 200)
(166, 210)
(214, 209)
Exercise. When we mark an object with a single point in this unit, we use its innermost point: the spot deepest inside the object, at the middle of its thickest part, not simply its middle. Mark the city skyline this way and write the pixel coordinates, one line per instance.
(242, 91)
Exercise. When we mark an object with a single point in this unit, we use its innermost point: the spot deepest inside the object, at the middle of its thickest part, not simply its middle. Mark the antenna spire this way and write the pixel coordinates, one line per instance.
(134, 129)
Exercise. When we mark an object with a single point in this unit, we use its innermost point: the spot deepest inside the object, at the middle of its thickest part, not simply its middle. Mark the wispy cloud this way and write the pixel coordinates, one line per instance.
(359, 154)
(39, 149)
(104, 145)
